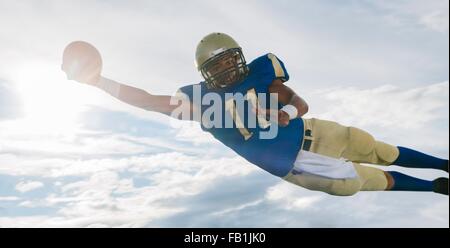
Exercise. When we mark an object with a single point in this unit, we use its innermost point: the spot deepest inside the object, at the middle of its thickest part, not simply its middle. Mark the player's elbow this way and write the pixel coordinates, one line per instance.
(304, 108)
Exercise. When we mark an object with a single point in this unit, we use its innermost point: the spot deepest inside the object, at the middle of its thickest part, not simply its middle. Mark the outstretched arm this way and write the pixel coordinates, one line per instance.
(82, 62)
(138, 97)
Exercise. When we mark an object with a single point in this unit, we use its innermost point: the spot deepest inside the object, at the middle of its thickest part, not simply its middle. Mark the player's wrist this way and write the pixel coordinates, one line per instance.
(291, 110)
(95, 81)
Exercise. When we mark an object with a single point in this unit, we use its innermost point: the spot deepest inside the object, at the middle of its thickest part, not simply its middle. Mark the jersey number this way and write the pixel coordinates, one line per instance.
(230, 106)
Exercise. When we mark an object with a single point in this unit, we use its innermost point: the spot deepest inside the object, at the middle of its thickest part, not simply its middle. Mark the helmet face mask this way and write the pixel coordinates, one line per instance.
(225, 69)
(220, 60)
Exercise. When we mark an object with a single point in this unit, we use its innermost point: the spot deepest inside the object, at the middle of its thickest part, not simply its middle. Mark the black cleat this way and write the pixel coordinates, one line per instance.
(440, 185)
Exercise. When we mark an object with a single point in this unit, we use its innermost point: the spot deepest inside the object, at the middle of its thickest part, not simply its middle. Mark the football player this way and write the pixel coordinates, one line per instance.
(316, 154)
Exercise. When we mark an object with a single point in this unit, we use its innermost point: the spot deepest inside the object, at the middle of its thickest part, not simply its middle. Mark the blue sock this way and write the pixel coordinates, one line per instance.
(414, 159)
(404, 182)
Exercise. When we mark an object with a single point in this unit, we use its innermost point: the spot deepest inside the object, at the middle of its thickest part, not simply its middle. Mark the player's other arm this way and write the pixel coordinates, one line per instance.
(288, 97)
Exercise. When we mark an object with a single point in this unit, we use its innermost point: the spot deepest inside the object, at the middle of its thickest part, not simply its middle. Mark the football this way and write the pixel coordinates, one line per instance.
(82, 62)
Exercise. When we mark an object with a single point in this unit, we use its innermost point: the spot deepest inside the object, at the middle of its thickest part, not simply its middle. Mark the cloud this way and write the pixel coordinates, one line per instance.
(433, 14)
(238, 208)
(9, 198)
(387, 105)
(290, 197)
(439, 212)
(115, 201)
(23, 187)
(390, 113)
(10, 104)
(105, 184)
(438, 20)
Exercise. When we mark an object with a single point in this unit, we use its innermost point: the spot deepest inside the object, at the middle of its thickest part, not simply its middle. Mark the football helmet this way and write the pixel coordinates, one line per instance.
(220, 60)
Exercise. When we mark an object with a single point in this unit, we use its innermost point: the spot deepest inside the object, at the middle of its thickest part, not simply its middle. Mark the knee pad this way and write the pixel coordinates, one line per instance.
(371, 178)
(386, 152)
(361, 141)
(344, 187)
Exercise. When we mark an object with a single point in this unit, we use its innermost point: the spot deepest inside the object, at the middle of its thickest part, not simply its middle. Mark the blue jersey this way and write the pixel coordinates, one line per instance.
(275, 155)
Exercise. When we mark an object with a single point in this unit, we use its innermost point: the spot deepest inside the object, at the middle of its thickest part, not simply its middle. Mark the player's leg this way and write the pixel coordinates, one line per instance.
(369, 179)
(335, 140)
(415, 159)
(337, 187)
(376, 179)
(402, 182)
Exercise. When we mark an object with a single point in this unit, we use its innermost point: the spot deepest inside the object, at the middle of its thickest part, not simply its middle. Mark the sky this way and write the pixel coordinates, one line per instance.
(72, 156)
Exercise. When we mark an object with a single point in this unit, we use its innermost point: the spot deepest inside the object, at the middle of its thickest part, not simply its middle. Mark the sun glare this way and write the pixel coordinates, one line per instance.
(51, 103)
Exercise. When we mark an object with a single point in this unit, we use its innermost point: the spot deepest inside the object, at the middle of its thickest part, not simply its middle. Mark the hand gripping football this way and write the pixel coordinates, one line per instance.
(82, 62)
